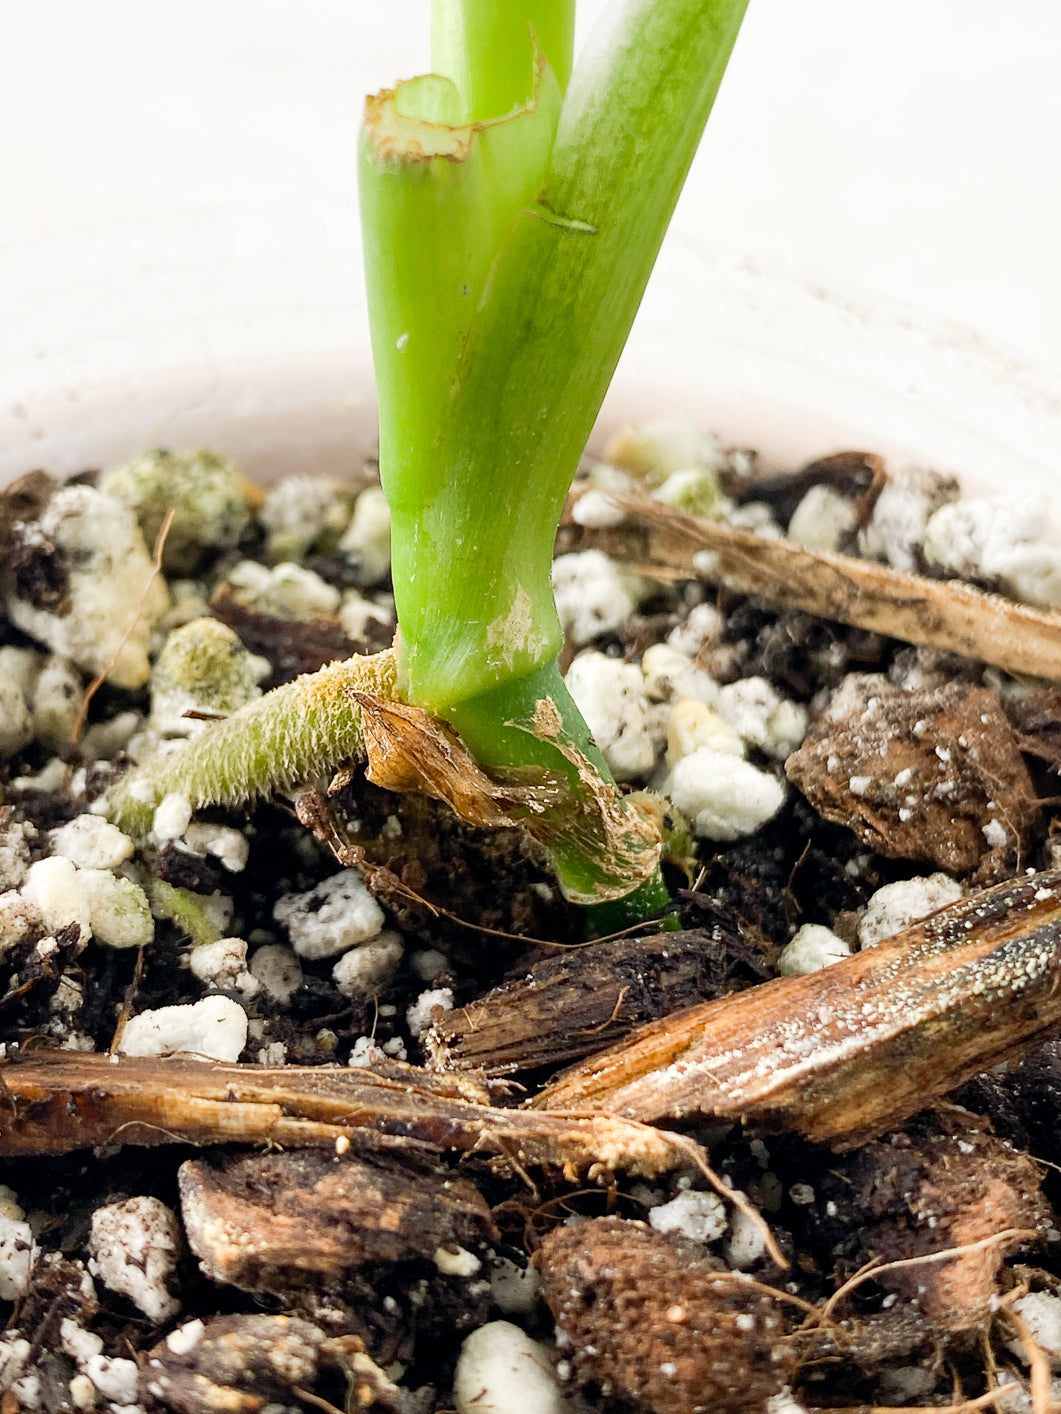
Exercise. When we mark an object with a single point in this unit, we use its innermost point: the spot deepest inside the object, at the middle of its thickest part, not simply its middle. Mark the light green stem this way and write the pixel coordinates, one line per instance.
(289, 736)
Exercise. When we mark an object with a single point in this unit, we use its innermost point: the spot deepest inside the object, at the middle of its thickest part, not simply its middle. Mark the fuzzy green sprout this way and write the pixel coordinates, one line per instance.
(512, 211)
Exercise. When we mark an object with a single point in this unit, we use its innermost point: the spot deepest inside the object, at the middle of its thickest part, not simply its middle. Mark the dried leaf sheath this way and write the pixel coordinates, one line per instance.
(55, 1101)
(844, 1053)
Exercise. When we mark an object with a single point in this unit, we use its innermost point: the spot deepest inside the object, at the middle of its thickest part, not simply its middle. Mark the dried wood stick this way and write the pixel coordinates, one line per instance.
(847, 1052)
(54, 1101)
(941, 613)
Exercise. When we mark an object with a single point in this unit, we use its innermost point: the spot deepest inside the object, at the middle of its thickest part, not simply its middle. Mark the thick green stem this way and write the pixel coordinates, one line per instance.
(486, 47)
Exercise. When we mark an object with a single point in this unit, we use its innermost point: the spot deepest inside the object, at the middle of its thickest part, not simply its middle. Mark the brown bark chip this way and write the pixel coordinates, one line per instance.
(232, 1364)
(933, 774)
(257, 1220)
(653, 1322)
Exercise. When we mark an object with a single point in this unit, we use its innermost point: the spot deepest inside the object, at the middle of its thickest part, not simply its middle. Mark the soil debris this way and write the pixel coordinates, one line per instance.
(651, 1320)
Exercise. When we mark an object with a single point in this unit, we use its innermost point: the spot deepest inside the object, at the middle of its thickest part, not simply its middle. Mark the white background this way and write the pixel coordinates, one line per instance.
(177, 213)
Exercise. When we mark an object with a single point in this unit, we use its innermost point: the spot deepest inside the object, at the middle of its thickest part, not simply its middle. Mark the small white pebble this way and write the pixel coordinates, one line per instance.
(116, 1379)
(9, 1204)
(896, 906)
(366, 542)
(692, 725)
(699, 1216)
(994, 833)
(286, 591)
(418, 1016)
(784, 1402)
(1041, 1312)
(746, 1244)
(91, 842)
(16, 726)
(215, 1027)
(502, 1371)
(802, 1194)
(366, 969)
(82, 1392)
(226, 844)
(812, 948)
(670, 674)
(429, 963)
(279, 971)
(56, 702)
(723, 797)
(456, 1262)
(762, 717)
(701, 628)
(336, 915)
(134, 1246)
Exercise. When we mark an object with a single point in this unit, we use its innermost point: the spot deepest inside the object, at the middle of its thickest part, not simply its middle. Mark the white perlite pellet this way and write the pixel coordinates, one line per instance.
(699, 1216)
(91, 842)
(366, 969)
(722, 796)
(332, 917)
(286, 591)
(419, 1016)
(1041, 1312)
(611, 696)
(896, 906)
(52, 885)
(762, 717)
(133, 1248)
(692, 725)
(812, 948)
(671, 674)
(515, 1290)
(172, 817)
(119, 912)
(502, 1371)
(17, 1255)
(215, 1027)
(16, 726)
(279, 971)
(822, 519)
(366, 543)
(996, 538)
(224, 965)
(592, 595)
(229, 846)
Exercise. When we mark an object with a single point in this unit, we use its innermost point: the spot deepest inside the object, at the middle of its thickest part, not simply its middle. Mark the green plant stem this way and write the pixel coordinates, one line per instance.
(289, 736)
(485, 47)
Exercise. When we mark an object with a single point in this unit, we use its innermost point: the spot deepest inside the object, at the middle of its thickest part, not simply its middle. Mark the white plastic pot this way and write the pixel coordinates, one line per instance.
(865, 253)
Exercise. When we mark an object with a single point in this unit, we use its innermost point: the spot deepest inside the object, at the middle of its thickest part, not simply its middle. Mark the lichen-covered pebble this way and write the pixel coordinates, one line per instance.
(119, 913)
(114, 596)
(298, 510)
(215, 1027)
(723, 796)
(91, 842)
(656, 448)
(365, 970)
(366, 542)
(203, 667)
(134, 1246)
(203, 489)
(336, 915)
(695, 491)
(56, 702)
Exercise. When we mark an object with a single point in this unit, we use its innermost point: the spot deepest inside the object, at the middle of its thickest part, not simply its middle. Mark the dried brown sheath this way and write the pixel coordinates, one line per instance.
(55, 1101)
(845, 1053)
(943, 613)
